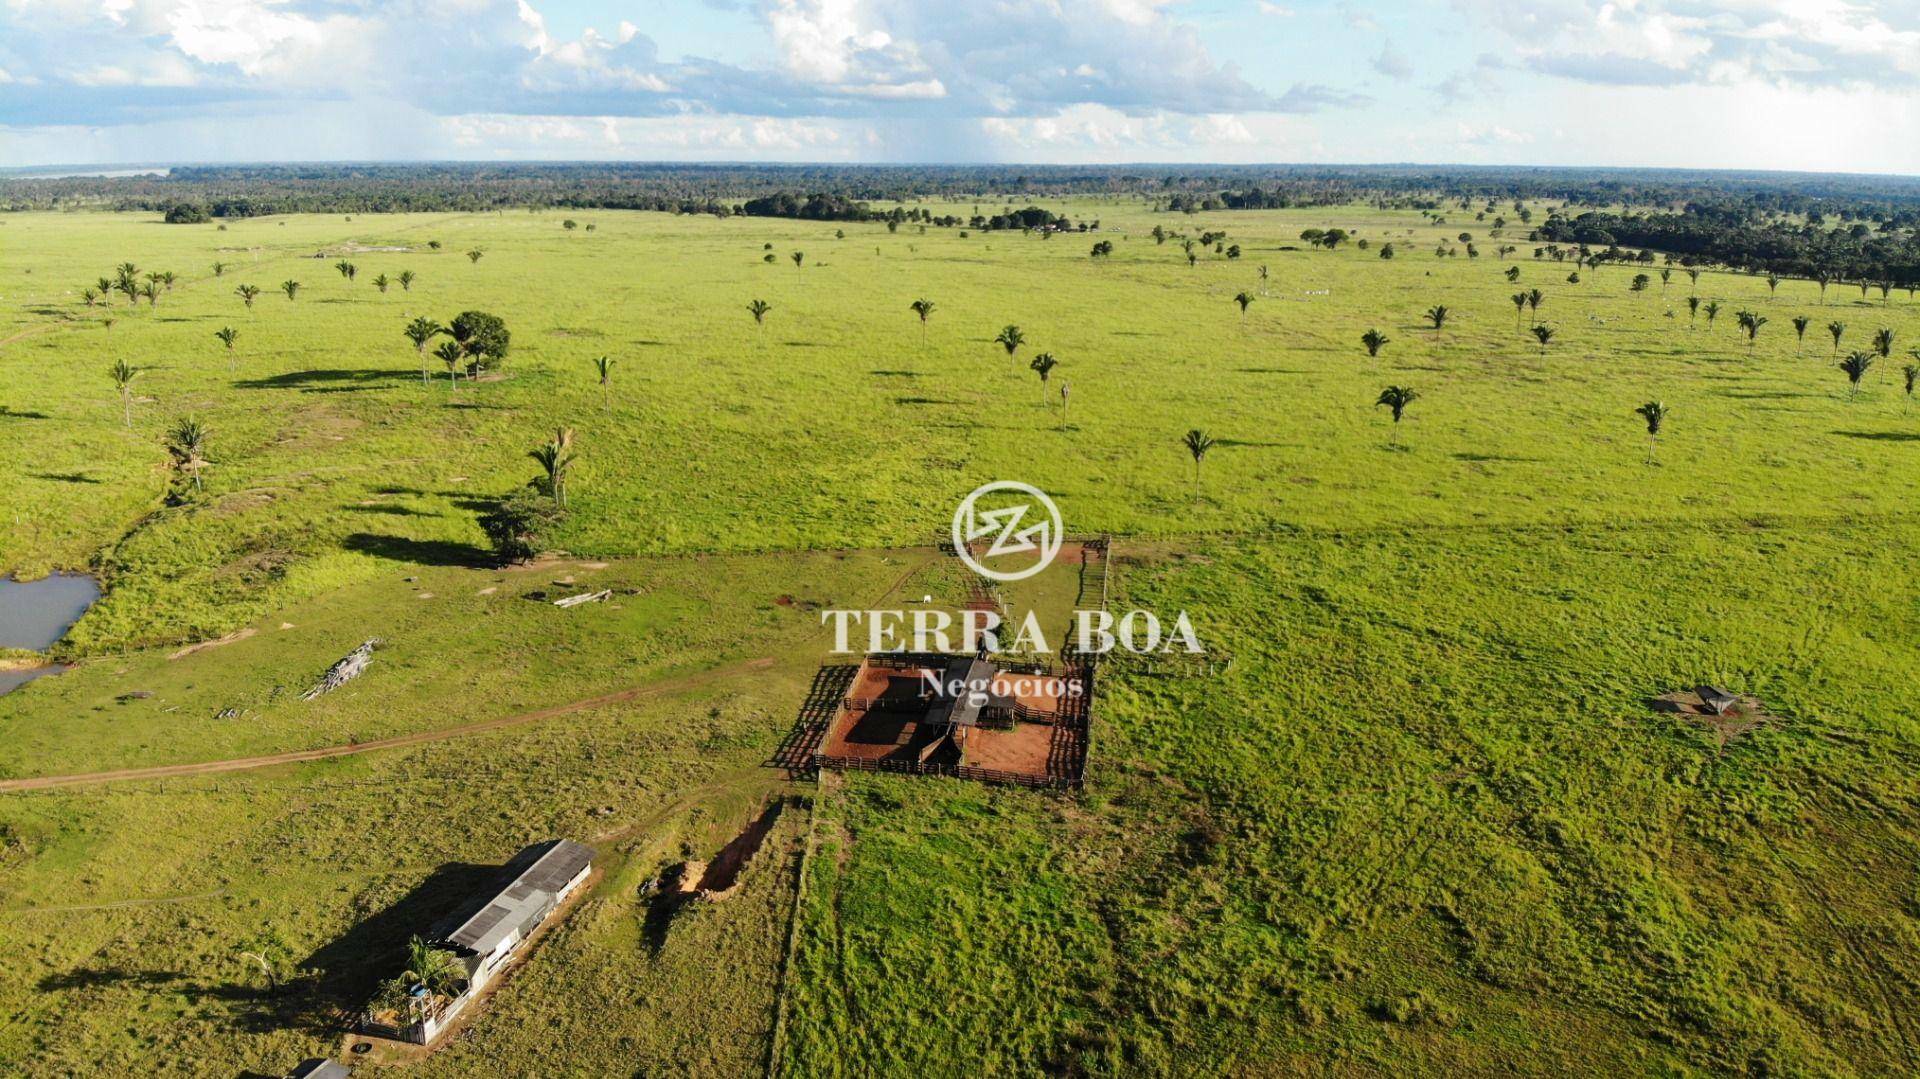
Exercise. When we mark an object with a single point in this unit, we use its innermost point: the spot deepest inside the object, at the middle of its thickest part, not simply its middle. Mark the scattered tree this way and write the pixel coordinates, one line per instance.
(228, 335)
(1655, 413)
(123, 375)
(1010, 338)
(187, 444)
(1198, 443)
(483, 337)
(1374, 341)
(1396, 399)
(420, 331)
(1855, 365)
(1043, 366)
(521, 525)
(556, 458)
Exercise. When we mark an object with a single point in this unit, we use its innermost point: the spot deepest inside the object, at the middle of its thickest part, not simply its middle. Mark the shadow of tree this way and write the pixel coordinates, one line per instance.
(327, 380)
(391, 511)
(420, 552)
(1881, 436)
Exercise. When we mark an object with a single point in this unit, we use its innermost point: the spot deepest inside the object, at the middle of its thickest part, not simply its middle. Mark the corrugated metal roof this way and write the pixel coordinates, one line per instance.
(320, 1069)
(539, 873)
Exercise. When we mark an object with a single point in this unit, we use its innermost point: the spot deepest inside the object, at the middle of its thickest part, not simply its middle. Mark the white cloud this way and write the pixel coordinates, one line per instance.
(1672, 42)
(1393, 63)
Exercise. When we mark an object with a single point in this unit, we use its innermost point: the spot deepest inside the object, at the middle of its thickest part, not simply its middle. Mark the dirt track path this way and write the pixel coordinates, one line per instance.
(241, 764)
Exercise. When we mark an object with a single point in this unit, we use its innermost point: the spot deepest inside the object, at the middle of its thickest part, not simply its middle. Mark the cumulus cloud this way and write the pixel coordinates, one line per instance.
(1804, 43)
(899, 59)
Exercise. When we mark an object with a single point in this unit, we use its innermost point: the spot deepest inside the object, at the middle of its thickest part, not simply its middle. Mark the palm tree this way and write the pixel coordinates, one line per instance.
(1043, 366)
(151, 290)
(1519, 306)
(1666, 275)
(605, 366)
(1010, 338)
(1655, 414)
(1197, 442)
(1543, 334)
(1800, 324)
(381, 282)
(346, 269)
(291, 288)
(1243, 299)
(1773, 284)
(1713, 312)
(923, 308)
(556, 458)
(219, 268)
(1534, 299)
(91, 297)
(1396, 398)
(1883, 343)
(1912, 373)
(1374, 341)
(228, 335)
(406, 280)
(1693, 311)
(126, 281)
(1513, 272)
(450, 353)
(798, 258)
(1855, 365)
(1836, 328)
(420, 331)
(1751, 323)
(123, 375)
(1693, 279)
(473, 256)
(187, 443)
(1438, 316)
(435, 970)
(758, 309)
(246, 294)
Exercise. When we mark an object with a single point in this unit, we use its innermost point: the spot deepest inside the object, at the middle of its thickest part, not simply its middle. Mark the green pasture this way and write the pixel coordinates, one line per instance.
(1412, 812)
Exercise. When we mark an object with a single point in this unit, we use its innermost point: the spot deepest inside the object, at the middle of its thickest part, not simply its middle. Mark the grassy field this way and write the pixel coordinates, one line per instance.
(1413, 812)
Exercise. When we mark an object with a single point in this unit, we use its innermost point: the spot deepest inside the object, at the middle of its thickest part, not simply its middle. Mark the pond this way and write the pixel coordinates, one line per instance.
(34, 615)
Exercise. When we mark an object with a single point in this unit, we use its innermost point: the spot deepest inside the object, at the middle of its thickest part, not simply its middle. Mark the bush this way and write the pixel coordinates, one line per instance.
(522, 525)
(186, 213)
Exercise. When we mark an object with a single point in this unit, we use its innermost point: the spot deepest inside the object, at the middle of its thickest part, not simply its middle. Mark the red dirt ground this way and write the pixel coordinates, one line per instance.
(883, 732)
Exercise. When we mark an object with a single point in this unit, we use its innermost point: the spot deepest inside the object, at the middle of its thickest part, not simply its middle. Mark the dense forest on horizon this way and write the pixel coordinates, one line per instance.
(1836, 227)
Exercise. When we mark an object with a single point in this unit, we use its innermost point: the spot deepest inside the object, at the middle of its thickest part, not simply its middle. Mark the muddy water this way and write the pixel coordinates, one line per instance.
(34, 615)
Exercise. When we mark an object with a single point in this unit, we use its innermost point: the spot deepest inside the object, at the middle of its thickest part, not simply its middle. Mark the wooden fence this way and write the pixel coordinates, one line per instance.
(951, 771)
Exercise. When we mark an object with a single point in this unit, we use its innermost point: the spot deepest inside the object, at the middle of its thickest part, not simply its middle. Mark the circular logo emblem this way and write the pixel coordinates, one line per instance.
(1027, 522)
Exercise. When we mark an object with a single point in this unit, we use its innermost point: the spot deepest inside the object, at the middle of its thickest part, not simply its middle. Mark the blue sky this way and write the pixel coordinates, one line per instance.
(1787, 84)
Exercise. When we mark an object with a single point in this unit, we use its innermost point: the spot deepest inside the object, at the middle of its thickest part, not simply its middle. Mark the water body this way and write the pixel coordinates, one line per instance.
(35, 614)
